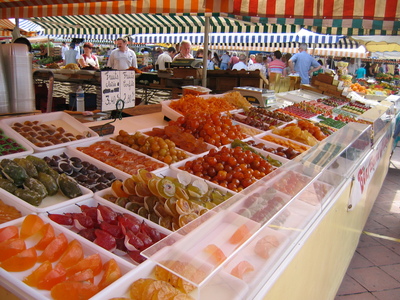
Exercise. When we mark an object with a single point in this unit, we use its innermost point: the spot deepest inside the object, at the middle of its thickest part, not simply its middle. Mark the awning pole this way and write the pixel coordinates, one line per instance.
(205, 55)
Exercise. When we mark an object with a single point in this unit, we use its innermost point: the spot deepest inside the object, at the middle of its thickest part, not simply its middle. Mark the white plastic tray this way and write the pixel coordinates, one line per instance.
(128, 149)
(13, 280)
(58, 119)
(74, 208)
(18, 139)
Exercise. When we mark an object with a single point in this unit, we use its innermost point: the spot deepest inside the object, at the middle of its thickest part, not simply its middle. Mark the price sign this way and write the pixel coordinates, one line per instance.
(117, 85)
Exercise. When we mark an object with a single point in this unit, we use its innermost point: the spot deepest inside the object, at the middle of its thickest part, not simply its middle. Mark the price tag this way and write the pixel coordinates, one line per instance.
(117, 85)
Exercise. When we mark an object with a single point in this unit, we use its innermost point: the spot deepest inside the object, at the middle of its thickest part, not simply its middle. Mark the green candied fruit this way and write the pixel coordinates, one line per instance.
(28, 166)
(35, 185)
(68, 186)
(7, 185)
(49, 182)
(39, 163)
(14, 172)
(29, 196)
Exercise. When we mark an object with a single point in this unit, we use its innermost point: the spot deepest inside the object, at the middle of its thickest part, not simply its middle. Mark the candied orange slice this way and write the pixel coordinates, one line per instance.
(265, 246)
(11, 247)
(152, 289)
(92, 262)
(86, 275)
(117, 189)
(20, 262)
(138, 287)
(47, 233)
(55, 249)
(39, 273)
(9, 232)
(30, 225)
(55, 276)
(216, 254)
(240, 235)
(72, 255)
(112, 272)
(242, 268)
(68, 290)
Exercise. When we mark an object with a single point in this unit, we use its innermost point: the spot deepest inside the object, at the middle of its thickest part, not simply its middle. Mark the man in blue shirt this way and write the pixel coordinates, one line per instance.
(304, 64)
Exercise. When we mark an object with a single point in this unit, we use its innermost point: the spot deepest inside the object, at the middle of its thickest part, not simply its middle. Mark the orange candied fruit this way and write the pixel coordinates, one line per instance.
(38, 274)
(30, 225)
(55, 276)
(9, 232)
(20, 262)
(92, 262)
(72, 255)
(55, 249)
(216, 254)
(68, 290)
(47, 234)
(112, 272)
(11, 247)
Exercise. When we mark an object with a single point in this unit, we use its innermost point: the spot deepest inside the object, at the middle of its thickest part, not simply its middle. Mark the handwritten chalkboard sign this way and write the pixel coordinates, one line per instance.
(117, 85)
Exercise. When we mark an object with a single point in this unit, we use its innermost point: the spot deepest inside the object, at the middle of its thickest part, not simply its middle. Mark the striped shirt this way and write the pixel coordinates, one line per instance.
(276, 66)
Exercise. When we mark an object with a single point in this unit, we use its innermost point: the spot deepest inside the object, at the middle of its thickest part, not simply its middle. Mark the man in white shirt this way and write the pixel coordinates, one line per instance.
(165, 57)
(122, 58)
(63, 49)
(241, 65)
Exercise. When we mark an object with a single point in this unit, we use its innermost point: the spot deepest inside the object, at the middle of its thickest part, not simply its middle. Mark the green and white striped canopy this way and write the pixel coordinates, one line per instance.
(131, 24)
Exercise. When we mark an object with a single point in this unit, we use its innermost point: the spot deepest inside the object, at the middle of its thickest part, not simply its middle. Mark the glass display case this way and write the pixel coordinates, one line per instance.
(248, 236)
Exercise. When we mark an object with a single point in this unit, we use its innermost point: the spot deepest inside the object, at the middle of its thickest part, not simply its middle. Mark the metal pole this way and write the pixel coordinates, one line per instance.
(205, 55)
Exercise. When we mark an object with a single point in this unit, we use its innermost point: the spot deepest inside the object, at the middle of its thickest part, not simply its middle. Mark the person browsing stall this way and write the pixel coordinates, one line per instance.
(166, 57)
(122, 58)
(88, 59)
(71, 55)
(185, 48)
(241, 65)
(277, 65)
(304, 64)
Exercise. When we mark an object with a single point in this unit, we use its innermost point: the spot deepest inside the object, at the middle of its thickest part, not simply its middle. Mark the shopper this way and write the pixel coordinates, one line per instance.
(234, 59)
(225, 59)
(43, 51)
(88, 60)
(64, 48)
(185, 48)
(277, 65)
(304, 64)
(258, 65)
(71, 55)
(241, 64)
(166, 57)
(210, 62)
(122, 58)
(199, 53)
(216, 61)
(361, 72)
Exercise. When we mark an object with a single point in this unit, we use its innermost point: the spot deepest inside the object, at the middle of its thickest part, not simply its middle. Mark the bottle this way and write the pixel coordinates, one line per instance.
(80, 99)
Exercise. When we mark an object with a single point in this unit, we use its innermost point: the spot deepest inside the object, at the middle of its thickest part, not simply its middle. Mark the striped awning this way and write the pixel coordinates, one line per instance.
(355, 53)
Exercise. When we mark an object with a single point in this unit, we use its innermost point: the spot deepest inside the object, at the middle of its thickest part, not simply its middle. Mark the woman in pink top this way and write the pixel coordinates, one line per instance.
(277, 65)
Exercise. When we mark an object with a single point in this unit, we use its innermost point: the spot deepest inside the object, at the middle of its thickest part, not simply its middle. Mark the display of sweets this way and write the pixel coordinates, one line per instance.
(8, 145)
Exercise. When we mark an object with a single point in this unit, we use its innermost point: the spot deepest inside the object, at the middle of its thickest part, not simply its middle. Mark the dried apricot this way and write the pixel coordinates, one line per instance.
(55, 249)
(39, 273)
(68, 290)
(20, 262)
(9, 232)
(92, 262)
(30, 225)
(47, 233)
(72, 255)
(11, 247)
(138, 287)
(112, 272)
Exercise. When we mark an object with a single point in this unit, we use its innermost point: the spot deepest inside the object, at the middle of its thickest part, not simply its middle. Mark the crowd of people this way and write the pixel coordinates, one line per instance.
(300, 64)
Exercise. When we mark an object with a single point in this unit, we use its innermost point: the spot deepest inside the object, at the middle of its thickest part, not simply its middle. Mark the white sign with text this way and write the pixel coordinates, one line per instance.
(116, 85)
